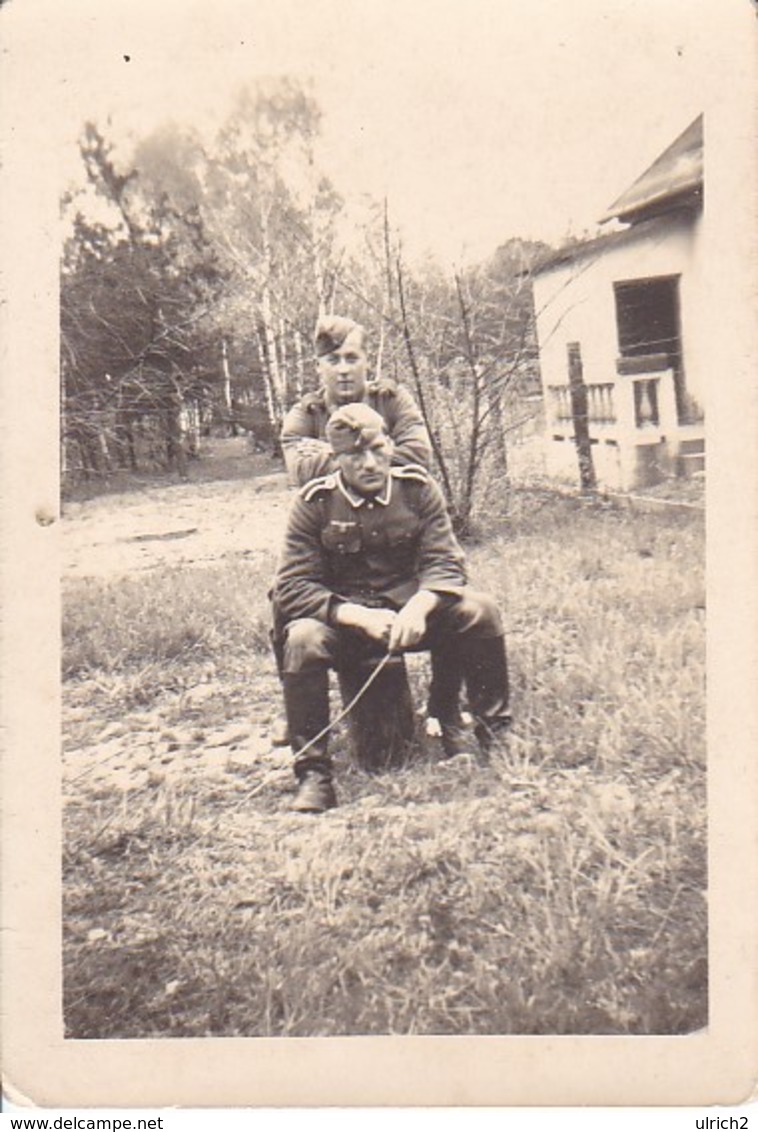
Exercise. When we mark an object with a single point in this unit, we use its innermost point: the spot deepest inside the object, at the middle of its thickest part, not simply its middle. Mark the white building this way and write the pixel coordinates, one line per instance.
(621, 319)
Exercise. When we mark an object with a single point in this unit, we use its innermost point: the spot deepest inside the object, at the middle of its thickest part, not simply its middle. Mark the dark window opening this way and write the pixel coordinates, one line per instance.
(649, 334)
(647, 314)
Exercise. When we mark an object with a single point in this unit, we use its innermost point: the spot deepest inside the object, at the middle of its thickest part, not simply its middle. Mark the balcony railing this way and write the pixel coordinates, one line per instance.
(601, 408)
(637, 408)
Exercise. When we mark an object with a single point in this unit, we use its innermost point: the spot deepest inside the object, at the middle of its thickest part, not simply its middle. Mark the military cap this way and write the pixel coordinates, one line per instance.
(331, 332)
(353, 427)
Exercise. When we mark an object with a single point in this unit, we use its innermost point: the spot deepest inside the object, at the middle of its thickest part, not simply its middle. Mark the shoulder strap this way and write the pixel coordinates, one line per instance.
(313, 487)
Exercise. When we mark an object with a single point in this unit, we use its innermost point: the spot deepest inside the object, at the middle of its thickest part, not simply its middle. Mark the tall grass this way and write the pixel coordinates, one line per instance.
(561, 890)
(168, 616)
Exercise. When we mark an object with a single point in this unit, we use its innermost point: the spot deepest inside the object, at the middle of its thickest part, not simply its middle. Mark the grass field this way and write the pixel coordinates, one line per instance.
(560, 890)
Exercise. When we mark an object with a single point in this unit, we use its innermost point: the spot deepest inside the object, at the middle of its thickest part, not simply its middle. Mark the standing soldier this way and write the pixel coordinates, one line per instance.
(343, 370)
(371, 565)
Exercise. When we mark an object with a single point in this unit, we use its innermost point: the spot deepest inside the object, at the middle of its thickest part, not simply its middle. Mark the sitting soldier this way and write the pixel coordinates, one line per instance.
(371, 565)
(343, 370)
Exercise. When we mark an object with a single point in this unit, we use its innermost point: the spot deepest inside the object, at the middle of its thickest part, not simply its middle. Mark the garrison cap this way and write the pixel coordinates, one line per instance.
(331, 332)
(353, 427)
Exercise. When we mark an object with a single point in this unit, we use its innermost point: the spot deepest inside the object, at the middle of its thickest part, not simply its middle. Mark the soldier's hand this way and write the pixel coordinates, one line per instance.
(410, 623)
(375, 623)
(378, 623)
(407, 630)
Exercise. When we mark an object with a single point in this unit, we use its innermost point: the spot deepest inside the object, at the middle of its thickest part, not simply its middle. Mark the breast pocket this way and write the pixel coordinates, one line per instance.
(400, 535)
(342, 538)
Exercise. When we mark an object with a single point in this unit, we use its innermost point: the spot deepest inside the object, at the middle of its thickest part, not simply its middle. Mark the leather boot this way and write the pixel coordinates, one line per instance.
(444, 699)
(315, 793)
(486, 672)
(446, 683)
(456, 739)
(306, 698)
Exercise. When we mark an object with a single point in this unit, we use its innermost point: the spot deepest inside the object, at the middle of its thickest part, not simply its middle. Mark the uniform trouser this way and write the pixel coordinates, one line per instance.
(467, 638)
(442, 687)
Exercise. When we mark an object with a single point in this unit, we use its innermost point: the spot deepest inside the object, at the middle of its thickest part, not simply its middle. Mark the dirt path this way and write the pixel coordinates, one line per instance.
(234, 505)
(178, 523)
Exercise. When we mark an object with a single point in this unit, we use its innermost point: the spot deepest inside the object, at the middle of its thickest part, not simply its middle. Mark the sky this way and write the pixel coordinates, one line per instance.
(478, 119)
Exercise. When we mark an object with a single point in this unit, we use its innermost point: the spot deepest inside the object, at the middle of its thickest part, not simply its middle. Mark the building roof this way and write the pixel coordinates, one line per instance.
(674, 178)
(583, 249)
(674, 182)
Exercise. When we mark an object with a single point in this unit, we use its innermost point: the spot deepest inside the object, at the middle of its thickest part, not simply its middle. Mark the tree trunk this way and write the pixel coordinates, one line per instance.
(442, 465)
(578, 392)
(175, 451)
(380, 348)
(474, 459)
(227, 389)
(390, 285)
(272, 405)
(381, 724)
(284, 366)
(267, 323)
(191, 427)
(299, 367)
(500, 447)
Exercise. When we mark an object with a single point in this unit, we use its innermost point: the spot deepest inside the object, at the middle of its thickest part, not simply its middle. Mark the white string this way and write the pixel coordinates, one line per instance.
(273, 775)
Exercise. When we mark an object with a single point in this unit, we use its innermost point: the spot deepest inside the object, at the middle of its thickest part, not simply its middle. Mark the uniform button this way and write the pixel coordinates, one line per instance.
(371, 506)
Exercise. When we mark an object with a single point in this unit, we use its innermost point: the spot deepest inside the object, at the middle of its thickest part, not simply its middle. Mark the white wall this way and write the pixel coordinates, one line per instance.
(575, 302)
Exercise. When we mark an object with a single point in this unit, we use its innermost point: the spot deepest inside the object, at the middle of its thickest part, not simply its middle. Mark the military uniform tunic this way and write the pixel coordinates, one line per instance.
(307, 420)
(375, 551)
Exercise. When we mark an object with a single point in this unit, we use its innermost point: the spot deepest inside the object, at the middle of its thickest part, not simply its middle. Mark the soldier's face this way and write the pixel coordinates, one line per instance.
(343, 371)
(367, 470)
